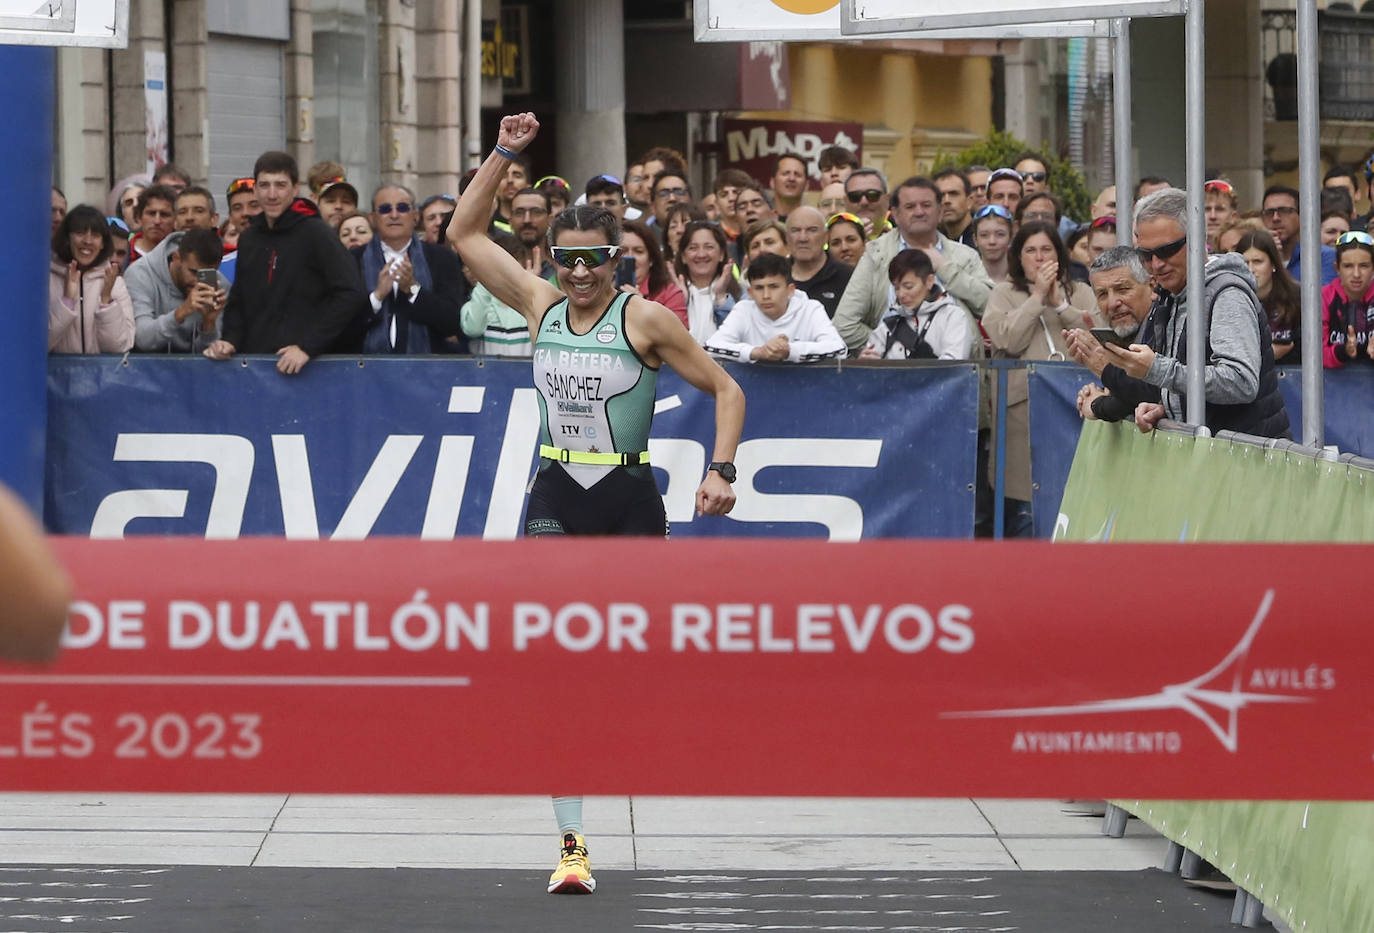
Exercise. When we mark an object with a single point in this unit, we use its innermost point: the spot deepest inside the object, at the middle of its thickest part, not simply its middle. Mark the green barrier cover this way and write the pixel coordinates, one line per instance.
(1311, 863)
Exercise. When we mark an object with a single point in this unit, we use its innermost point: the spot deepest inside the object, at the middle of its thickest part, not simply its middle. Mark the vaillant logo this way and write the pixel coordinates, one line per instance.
(1214, 698)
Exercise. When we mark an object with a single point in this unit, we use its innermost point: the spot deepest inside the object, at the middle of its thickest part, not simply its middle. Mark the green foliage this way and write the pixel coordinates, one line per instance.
(999, 148)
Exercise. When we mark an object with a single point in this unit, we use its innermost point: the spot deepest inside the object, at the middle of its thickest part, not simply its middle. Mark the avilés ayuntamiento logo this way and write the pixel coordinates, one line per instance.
(1214, 698)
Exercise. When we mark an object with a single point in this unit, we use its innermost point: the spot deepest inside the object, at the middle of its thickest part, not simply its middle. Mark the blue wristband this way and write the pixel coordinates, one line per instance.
(504, 152)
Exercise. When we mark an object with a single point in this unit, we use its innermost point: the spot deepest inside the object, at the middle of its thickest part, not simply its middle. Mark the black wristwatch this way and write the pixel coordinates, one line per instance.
(725, 468)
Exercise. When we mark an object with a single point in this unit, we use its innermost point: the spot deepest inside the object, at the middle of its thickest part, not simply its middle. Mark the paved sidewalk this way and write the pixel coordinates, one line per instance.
(624, 833)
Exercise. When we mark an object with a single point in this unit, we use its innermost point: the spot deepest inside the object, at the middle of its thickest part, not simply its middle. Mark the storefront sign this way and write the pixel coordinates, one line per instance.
(754, 145)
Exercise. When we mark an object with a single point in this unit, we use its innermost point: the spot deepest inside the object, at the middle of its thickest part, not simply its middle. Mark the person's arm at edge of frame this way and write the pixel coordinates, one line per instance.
(502, 275)
(34, 589)
(675, 346)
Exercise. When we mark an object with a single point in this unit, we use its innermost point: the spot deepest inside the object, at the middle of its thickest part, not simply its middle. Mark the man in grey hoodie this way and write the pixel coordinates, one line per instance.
(174, 312)
(1239, 379)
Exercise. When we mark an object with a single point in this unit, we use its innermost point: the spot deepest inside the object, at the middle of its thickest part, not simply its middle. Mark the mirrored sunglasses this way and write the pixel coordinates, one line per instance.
(240, 184)
(842, 216)
(1355, 236)
(590, 256)
(995, 209)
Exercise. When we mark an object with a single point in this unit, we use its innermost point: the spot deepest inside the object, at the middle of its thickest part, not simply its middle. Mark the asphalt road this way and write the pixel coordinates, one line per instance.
(46, 899)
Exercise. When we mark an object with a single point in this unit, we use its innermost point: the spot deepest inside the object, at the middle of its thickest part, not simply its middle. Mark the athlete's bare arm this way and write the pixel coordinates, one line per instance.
(502, 275)
(34, 590)
(659, 336)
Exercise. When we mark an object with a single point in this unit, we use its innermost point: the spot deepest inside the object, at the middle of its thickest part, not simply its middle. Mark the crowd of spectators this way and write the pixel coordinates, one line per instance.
(799, 267)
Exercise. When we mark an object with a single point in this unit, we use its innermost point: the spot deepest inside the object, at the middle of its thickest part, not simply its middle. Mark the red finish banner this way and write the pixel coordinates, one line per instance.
(927, 668)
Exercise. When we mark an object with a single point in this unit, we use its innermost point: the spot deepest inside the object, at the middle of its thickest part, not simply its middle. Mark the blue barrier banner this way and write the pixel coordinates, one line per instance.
(1054, 427)
(1346, 395)
(438, 447)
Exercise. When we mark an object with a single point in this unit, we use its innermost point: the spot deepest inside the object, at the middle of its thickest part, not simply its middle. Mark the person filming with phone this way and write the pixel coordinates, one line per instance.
(179, 293)
(1121, 285)
(1239, 378)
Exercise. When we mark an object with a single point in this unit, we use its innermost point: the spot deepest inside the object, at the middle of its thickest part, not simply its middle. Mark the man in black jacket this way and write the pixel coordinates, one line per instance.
(417, 288)
(296, 287)
(1121, 283)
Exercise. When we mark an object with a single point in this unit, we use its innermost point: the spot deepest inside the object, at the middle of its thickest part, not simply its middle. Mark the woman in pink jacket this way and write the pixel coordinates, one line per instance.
(1348, 302)
(89, 310)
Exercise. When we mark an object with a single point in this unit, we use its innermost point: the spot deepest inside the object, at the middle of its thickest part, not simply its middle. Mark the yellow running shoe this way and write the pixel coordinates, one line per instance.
(574, 872)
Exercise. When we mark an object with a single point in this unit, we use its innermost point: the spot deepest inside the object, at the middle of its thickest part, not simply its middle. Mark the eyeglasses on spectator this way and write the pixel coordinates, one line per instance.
(553, 181)
(1002, 173)
(1221, 185)
(611, 178)
(240, 184)
(400, 207)
(590, 256)
(1279, 210)
(843, 216)
(118, 224)
(1034, 176)
(1107, 221)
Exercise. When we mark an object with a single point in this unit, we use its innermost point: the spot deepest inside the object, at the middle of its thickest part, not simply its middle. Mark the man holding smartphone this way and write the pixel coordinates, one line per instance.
(179, 293)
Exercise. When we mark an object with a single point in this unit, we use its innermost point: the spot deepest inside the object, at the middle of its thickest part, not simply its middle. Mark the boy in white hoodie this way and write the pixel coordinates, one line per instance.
(776, 322)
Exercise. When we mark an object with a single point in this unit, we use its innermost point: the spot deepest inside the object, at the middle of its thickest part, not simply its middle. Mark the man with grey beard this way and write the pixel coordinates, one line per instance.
(1122, 286)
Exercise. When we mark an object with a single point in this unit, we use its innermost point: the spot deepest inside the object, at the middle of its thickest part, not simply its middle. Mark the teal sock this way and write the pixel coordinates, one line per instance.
(568, 812)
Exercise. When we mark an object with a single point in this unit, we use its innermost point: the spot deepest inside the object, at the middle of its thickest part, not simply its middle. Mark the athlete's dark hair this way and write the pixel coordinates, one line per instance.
(82, 219)
(658, 269)
(768, 264)
(585, 217)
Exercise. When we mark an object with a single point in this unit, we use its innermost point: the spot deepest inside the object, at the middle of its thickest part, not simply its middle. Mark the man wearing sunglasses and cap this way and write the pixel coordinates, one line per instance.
(597, 352)
(1239, 379)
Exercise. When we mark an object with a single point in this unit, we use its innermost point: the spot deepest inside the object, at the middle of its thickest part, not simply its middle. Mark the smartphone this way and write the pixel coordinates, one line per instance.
(625, 271)
(208, 277)
(1107, 335)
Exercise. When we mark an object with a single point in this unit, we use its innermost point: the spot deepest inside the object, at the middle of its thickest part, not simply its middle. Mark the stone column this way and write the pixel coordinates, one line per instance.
(189, 94)
(439, 118)
(300, 86)
(1021, 68)
(590, 82)
(1235, 97)
(83, 131)
(399, 110)
(146, 34)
